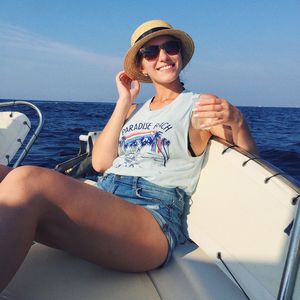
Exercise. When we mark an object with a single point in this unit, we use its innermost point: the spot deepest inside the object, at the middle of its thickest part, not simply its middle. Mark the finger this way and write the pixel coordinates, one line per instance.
(119, 75)
(207, 124)
(215, 123)
(136, 85)
(211, 123)
(208, 101)
(208, 98)
(208, 107)
(208, 114)
(124, 77)
(136, 88)
(125, 81)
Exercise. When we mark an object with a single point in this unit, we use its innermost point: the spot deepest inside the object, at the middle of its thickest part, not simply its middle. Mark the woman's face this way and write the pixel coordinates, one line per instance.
(165, 68)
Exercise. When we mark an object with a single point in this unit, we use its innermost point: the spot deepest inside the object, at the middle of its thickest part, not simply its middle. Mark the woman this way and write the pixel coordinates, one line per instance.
(161, 148)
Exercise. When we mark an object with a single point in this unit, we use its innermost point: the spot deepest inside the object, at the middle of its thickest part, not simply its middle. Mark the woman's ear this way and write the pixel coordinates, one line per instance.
(143, 70)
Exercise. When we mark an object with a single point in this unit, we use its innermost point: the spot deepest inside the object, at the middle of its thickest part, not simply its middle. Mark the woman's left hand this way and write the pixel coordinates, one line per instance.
(212, 111)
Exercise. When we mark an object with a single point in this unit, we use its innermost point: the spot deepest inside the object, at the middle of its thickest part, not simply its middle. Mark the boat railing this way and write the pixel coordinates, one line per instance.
(25, 146)
(291, 267)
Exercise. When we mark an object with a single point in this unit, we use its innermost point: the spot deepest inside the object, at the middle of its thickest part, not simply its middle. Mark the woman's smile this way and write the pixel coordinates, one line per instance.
(166, 67)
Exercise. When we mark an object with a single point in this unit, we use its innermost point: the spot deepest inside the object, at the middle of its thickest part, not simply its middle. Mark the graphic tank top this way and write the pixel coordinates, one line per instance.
(153, 145)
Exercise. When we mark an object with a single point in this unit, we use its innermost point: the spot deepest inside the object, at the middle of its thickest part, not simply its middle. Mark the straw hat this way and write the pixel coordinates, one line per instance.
(145, 33)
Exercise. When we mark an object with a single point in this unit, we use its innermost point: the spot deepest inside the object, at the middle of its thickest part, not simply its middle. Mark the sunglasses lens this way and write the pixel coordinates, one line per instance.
(172, 47)
(150, 52)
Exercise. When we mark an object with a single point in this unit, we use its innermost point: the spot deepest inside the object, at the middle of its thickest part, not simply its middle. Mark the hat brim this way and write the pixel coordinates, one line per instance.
(130, 66)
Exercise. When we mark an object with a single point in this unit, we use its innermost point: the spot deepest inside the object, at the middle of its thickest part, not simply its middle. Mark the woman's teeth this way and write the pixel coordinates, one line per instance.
(165, 67)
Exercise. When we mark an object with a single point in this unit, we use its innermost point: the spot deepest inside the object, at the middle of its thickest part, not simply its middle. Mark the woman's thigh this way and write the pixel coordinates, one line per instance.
(91, 223)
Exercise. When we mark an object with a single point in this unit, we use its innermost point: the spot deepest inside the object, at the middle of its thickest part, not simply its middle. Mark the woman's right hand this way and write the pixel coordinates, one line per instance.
(126, 92)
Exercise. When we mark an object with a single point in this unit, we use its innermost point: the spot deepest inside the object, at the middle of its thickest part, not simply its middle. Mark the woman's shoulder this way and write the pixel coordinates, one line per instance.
(189, 97)
(135, 107)
(190, 93)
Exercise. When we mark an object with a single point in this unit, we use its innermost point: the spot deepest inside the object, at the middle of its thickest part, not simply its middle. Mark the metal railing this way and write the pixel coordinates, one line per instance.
(289, 276)
(34, 134)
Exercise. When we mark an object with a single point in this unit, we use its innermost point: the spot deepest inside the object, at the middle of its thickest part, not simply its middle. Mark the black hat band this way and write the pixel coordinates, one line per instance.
(151, 31)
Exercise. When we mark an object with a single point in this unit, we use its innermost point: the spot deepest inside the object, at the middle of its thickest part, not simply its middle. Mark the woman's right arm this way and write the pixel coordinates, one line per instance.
(105, 149)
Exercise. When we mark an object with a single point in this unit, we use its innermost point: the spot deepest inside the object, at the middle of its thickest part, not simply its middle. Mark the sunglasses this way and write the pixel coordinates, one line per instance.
(152, 52)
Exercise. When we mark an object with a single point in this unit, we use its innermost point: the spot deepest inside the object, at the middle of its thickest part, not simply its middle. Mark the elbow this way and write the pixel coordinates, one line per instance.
(96, 165)
(99, 166)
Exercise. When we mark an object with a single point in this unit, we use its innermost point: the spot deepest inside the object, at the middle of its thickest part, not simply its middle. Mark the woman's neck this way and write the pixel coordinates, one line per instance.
(166, 94)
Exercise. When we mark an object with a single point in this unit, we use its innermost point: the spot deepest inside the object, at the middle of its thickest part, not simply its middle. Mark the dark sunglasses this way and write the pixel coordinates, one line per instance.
(152, 52)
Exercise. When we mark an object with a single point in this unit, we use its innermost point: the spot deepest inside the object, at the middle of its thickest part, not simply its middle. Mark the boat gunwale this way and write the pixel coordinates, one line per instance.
(272, 169)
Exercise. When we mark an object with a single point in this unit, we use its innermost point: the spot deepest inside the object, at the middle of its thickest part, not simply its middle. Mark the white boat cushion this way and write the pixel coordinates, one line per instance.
(50, 274)
(53, 274)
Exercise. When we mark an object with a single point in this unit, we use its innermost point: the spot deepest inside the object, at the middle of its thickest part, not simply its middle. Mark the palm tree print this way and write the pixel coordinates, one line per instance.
(133, 144)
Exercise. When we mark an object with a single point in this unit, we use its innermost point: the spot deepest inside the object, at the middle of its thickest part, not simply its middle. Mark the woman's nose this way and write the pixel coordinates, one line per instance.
(162, 54)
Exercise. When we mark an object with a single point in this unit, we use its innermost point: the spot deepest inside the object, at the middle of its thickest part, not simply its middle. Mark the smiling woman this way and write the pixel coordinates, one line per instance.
(169, 153)
(151, 159)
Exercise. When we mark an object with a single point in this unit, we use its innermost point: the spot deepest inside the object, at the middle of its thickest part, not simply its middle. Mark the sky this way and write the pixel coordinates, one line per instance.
(247, 52)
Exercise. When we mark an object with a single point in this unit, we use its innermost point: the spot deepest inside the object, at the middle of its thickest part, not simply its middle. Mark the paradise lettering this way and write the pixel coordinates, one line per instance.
(165, 126)
(138, 126)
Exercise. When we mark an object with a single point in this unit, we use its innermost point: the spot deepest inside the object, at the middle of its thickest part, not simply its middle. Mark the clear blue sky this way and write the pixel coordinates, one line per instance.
(246, 51)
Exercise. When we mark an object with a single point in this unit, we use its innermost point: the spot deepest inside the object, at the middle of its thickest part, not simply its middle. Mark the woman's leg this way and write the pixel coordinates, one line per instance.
(4, 170)
(59, 211)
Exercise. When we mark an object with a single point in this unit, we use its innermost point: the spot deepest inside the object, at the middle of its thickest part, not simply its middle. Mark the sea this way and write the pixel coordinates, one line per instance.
(276, 131)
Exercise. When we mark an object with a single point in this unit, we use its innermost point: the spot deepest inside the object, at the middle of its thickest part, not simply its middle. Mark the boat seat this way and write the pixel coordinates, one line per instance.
(192, 274)
(53, 274)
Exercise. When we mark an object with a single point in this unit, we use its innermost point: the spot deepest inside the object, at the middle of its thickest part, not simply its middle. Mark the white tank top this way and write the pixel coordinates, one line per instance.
(153, 145)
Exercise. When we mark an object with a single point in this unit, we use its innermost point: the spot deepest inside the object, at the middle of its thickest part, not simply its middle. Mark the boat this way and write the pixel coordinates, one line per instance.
(243, 223)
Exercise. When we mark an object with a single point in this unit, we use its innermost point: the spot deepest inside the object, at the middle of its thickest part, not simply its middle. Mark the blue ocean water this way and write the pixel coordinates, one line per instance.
(276, 131)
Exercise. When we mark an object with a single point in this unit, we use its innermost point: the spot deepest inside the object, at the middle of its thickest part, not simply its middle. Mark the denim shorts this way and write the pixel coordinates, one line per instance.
(165, 204)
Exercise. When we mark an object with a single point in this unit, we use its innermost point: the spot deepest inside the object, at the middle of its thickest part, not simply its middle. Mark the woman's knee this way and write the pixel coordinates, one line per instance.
(21, 186)
(23, 174)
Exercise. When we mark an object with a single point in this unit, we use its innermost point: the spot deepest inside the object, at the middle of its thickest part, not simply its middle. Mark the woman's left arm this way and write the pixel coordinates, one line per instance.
(225, 121)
